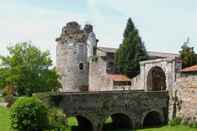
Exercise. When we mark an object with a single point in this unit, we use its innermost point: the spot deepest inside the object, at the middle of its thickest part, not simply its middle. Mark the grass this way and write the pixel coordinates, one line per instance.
(4, 119)
(5, 124)
(73, 122)
(169, 128)
(165, 128)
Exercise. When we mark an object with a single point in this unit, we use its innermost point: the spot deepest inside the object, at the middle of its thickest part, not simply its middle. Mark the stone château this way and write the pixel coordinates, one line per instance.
(92, 86)
(85, 67)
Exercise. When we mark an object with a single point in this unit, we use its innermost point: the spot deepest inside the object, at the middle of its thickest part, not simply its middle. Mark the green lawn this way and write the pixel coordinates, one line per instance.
(4, 119)
(166, 128)
(169, 128)
(4, 124)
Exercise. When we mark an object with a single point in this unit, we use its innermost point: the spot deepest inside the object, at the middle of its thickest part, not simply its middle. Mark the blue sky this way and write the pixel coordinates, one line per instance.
(163, 24)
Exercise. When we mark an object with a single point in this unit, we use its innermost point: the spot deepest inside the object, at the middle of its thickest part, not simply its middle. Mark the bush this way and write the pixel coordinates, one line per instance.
(175, 121)
(57, 118)
(28, 114)
(194, 125)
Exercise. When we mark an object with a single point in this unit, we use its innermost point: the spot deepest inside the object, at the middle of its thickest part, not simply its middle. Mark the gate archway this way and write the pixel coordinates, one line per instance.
(156, 79)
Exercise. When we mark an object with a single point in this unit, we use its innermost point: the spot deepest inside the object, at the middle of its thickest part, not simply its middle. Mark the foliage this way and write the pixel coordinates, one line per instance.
(185, 121)
(188, 55)
(28, 114)
(57, 119)
(131, 51)
(27, 69)
(175, 121)
(8, 90)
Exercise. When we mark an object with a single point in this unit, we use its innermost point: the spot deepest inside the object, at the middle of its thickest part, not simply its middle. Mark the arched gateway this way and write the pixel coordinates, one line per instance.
(159, 74)
(156, 79)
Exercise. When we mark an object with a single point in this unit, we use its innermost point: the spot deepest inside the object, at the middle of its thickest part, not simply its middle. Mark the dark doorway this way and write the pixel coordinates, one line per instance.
(156, 80)
(152, 119)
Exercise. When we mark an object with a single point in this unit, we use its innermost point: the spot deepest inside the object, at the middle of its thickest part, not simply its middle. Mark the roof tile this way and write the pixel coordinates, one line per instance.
(190, 69)
(118, 77)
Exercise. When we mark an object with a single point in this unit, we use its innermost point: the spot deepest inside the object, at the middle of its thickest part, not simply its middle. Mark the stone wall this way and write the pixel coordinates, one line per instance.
(98, 80)
(136, 83)
(71, 53)
(96, 106)
(185, 97)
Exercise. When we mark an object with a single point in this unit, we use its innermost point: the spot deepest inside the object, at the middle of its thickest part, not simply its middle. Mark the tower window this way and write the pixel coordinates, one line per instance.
(81, 66)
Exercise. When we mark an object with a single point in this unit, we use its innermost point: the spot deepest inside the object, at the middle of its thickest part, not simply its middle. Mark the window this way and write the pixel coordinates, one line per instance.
(81, 66)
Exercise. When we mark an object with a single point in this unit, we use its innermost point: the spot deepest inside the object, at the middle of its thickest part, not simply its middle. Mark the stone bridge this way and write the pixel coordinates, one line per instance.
(128, 109)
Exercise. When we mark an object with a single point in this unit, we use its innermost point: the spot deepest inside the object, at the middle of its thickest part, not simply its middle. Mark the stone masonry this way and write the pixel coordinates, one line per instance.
(72, 64)
(96, 107)
(184, 98)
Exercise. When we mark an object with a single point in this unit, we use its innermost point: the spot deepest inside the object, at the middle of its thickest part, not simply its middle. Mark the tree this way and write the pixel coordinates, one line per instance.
(27, 69)
(28, 114)
(188, 55)
(131, 51)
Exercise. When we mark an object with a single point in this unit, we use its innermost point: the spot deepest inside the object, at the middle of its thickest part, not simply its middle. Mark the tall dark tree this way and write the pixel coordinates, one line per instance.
(131, 51)
(188, 55)
(28, 70)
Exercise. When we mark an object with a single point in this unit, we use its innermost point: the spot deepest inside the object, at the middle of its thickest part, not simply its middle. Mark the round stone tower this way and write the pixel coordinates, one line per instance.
(71, 58)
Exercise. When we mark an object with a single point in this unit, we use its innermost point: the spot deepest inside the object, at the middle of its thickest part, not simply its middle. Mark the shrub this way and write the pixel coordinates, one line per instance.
(57, 118)
(175, 121)
(194, 125)
(28, 114)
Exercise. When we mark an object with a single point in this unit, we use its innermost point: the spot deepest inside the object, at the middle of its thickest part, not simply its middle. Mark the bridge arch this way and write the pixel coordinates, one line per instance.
(156, 79)
(81, 123)
(153, 118)
(117, 121)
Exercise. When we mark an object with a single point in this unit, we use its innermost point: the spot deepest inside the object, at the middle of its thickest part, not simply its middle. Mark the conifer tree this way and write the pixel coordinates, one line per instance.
(131, 51)
(188, 55)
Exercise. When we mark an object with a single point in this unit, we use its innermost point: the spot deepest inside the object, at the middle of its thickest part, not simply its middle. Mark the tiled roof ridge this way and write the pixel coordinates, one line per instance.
(190, 69)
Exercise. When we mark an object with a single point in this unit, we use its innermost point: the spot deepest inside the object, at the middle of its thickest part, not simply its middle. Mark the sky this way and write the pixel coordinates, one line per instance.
(164, 25)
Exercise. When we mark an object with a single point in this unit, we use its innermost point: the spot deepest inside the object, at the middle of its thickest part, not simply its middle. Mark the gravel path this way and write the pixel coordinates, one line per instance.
(3, 104)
